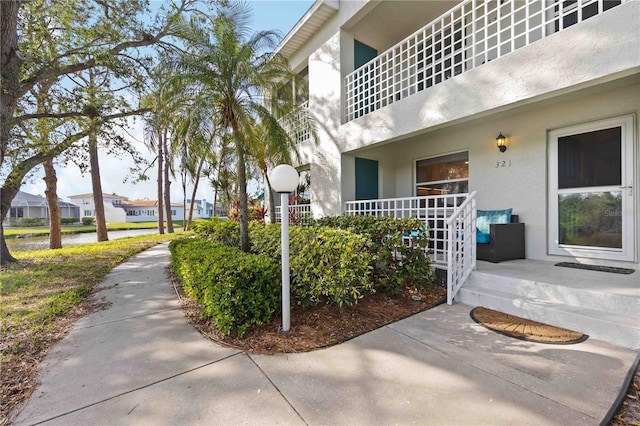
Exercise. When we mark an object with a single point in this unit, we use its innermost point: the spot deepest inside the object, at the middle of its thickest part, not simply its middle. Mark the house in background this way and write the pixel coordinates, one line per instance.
(202, 209)
(25, 205)
(147, 211)
(113, 210)
(120, 209)
(412, 97)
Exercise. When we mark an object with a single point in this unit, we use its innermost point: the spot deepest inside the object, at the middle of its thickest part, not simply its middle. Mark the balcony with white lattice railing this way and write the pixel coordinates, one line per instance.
(472, 33)
(297, 124)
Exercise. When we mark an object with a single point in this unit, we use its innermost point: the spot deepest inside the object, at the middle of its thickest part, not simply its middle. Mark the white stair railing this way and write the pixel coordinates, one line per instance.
(461, 247)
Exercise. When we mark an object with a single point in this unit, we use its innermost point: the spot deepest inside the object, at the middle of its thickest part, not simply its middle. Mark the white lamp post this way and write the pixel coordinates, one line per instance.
(284, 180)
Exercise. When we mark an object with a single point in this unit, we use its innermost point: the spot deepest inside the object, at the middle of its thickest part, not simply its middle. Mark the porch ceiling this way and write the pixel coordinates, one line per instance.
(396, 20)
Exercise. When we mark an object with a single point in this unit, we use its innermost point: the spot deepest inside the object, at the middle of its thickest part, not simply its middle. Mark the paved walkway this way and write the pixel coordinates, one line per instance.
(140, 362)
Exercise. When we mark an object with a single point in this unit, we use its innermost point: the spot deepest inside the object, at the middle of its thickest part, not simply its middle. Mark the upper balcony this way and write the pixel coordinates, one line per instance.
(468, 35)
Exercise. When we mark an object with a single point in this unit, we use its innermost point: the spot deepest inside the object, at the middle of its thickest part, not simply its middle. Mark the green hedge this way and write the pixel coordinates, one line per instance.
(87, 220)
(68, 220)
(218, 230)
(235, 289)
(28, 222)
(327, 265)
(396, 264)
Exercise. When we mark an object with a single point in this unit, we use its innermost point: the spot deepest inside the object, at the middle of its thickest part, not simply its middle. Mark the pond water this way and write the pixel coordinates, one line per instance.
(40, 243)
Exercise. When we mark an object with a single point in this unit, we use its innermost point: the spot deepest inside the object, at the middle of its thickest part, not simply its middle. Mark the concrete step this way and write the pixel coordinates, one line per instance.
(560, 307)
(572, 296)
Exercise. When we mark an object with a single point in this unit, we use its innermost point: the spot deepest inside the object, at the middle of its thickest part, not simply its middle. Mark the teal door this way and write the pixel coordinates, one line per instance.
(366, 179)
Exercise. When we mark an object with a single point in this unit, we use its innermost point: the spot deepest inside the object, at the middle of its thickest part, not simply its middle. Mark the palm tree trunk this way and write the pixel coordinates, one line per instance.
(160, 192)
(215, 201)
(193, 193)
(243, 210)
(272, 200)
(167, 185)
(51, 192)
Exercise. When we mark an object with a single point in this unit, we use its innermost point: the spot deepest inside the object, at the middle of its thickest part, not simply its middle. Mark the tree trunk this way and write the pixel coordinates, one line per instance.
(98, 201)
(10, 63)
(160, 192)
(51, 192)
(243, 210)
(193, 193)
(184, 197)
(215, 202)
(167, 185)
(272, 202)
(7, 193)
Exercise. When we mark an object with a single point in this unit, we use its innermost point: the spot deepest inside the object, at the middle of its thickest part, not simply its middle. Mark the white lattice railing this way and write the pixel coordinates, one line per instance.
(435, 210)
(461, 247)
(297, 124)
(465, 37)
(297, 213)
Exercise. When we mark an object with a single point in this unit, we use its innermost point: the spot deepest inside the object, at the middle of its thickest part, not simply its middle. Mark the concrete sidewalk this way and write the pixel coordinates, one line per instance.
(140, 362)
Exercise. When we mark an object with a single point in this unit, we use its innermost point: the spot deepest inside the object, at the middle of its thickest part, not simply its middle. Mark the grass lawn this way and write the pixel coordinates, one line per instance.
(41, 291)
(10, 232)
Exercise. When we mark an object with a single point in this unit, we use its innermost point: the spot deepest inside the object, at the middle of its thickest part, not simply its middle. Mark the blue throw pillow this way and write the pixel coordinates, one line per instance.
(482, 238)
(487, 217)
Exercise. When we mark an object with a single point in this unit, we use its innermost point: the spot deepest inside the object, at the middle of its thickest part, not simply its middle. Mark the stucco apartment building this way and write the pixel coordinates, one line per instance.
(412, 99)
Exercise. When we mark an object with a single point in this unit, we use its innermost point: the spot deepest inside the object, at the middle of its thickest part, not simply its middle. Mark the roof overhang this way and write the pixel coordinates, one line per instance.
(317, 15)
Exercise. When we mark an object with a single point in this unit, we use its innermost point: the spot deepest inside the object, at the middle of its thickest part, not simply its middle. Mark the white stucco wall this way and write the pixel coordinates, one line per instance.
(522, 183)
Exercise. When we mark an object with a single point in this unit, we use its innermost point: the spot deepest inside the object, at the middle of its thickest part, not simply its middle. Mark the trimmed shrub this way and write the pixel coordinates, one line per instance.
(395, 264)
(327, 265)
(235, 289)
(87, 220)
(28, 222)
(218, 230)
(68, 220)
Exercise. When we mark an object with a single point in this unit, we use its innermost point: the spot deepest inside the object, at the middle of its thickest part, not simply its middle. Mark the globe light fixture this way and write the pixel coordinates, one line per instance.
(284, 180)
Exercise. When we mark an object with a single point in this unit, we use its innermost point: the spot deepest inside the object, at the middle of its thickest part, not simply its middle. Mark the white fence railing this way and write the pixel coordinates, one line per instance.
(447, 218)
(298, 213)
(465, 37)
(461, 249)
(435, 210)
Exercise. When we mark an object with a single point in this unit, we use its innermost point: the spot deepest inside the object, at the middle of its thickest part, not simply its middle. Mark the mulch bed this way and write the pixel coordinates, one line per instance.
(323, 325)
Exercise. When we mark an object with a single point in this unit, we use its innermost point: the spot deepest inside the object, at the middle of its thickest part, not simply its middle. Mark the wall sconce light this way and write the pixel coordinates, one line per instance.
(501, 141)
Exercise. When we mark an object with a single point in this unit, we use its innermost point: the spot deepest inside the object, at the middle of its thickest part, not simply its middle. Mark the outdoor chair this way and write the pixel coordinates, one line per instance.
(499, 236)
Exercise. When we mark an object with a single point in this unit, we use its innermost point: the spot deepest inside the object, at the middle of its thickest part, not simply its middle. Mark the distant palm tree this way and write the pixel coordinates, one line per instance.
(238, 74)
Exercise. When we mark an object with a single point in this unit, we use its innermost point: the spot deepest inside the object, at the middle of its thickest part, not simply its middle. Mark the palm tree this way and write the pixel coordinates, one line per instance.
(237, 73)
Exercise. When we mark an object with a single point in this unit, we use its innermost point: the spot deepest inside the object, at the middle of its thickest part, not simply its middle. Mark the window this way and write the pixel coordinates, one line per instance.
(173, 212)
(302, 194)
(88, 213)
(447, 174)
(16, 212)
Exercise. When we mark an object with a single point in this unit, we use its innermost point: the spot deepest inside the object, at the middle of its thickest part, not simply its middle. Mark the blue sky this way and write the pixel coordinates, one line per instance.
(279, 15)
